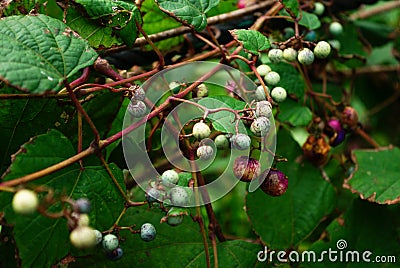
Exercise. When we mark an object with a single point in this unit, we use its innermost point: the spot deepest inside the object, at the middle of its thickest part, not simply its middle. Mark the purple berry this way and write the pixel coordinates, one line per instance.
(339, 132)
(349, 116)
(116, 254)
(82, 205)
(275, 184)
(246, 169)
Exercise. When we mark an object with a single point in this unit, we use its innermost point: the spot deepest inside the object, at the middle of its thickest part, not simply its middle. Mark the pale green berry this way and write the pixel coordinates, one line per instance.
(137, 108)
(335, 44)
(260, 93)
(179, 196)
(138, 93)
(319, 8)
(83, 220)
(336, 28)
(322, 50)
(275, 55)
(148, 232)
(290, 54)
(260, 126)
(201, 130)
(263, 69)
(263, 109)
(170, 177)
(110, 242)
(99, 236)
(278, 94)
(241, 141)
(25, 202)
(221, 141)
(305, 56)
(205, 152)
(201, 91)
(83, 237)
(175, 216)
(272, 78)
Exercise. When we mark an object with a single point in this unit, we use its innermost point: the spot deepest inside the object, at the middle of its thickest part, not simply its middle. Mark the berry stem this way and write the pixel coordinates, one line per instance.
(103, 161)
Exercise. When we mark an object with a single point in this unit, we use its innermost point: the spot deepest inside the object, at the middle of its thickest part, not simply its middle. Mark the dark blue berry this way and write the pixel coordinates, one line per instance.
(82, 205)
(116, 254)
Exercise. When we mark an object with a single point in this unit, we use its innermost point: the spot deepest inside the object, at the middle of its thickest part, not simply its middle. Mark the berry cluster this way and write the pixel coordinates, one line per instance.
(137, 107)
(272, 79)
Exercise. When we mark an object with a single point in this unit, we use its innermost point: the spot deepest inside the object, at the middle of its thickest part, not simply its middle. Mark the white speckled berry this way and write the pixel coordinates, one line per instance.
(305, 56)
(205, 152)
(275, 55)
(322, 50)
(169, 177)
(290, 54)
(263, 108)
(179, 196)
(263, 69)
(110, 242)
(148, 232)
(279, 94)
(201, 130)
(221, 141)
(260, 126)
(137, 108)
(241, 141)
(272, 78)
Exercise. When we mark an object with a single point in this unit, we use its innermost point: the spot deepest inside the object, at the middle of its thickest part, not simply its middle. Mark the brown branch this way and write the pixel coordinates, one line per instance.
(365, 13)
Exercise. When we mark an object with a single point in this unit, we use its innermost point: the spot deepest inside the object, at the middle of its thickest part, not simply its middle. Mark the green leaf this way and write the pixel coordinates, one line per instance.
(155, 21)
(21, 119)
(189, 12)
(97, 35)
(291, 79)
(364, 227)
(45, 235)
(224, 6)
(10, 8)
(377, 175)
(294, 113)
(119, 15)
(253, 41)
(38, 52)
(293, 5)
(223, 120)
(283, 222)
(311, 21)
(235, 253)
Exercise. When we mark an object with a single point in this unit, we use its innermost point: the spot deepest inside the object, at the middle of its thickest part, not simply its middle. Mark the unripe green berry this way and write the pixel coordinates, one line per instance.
(319, 8)
(288, 32)
(110, 242)
(275, 55)
(169, 177)
(137, 108)
(205, 152)
(305, 56)
(241, 141)
(272, 78)
(175, 216)
(148, 232)
(260, 93)
(335, 44)
(83, 220)
(279, 94)
(83, 237)
(221, 141)
(260, 126)
(179, 196)
(152, 194)
(201, 130)
(322, 50)
(290, 54)
(263, 69)
(25, 202)
(335, 28)
(200, 91)
(263, 109)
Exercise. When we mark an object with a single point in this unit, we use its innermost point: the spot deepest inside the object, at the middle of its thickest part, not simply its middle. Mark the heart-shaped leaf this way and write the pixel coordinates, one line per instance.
(253, 41)
(189, 12)
(38, 52)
